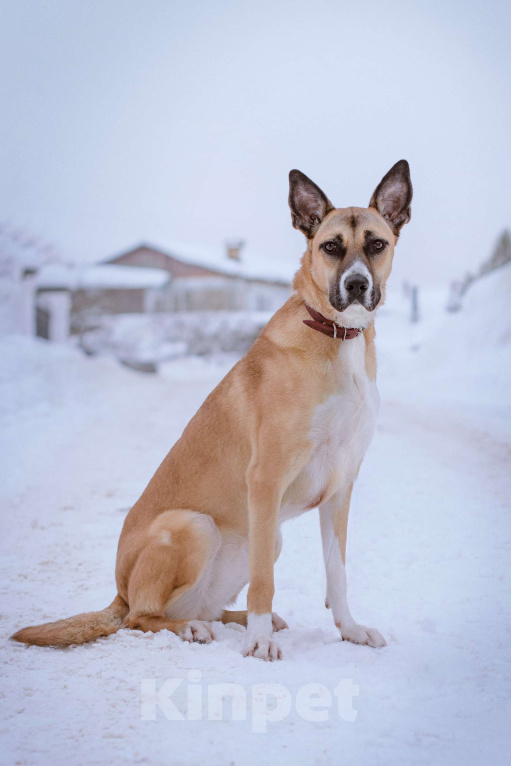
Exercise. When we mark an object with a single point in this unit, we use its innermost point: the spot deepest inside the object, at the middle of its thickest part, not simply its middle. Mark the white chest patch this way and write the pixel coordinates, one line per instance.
(342, 428)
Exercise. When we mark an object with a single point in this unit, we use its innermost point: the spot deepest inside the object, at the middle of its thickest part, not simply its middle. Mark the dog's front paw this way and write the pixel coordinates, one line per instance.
(263, 648)
(198, 631)
(259, 640)
(359, 634)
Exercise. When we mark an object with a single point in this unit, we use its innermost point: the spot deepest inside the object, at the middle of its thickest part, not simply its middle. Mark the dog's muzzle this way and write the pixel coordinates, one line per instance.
(357, 287)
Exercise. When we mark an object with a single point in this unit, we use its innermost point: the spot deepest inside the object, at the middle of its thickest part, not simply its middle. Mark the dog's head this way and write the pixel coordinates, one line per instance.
(350, 250)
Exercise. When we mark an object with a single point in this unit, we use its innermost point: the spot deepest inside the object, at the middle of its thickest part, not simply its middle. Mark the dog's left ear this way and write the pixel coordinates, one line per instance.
(393, 196)
(307, 202)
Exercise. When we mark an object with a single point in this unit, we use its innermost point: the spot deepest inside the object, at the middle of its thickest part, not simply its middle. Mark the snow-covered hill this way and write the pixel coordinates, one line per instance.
(428, 562)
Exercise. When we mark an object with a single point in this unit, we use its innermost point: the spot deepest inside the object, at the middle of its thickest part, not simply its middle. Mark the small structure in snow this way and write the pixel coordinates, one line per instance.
(72, 299)
(21, 256)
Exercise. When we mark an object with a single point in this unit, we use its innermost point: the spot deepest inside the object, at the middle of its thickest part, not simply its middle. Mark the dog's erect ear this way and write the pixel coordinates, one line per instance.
(393, 196)
(307, 202)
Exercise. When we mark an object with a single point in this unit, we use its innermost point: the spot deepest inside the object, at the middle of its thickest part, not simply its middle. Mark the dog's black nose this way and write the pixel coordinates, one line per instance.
(357, 286)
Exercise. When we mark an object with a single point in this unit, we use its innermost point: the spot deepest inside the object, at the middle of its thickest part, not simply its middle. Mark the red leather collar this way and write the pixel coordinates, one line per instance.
(327, 327)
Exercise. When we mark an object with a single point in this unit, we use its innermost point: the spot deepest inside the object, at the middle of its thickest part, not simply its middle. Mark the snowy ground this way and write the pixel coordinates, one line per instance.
(428, 563)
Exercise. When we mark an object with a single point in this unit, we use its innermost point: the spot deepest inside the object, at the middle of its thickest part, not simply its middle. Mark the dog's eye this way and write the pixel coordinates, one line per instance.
(378, 245)
(330, 247)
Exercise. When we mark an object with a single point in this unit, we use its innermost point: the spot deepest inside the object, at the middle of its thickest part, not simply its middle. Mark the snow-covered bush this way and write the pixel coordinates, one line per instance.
(148, 339)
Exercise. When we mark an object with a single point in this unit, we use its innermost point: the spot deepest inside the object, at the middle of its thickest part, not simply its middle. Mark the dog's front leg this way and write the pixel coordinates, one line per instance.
(334, 526)
(264, 498)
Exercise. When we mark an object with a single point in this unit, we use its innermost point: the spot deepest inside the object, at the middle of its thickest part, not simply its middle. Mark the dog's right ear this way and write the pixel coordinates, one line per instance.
(307, 202)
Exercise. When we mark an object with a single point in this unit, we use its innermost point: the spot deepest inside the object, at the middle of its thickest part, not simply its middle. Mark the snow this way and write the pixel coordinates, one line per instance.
(251, 265)
(11, 306)
(104, 276)
(155, 338)
(428, 562)
(21, 251)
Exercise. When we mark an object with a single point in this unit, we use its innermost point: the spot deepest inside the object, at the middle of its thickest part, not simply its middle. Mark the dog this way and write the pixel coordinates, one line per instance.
(284, 432)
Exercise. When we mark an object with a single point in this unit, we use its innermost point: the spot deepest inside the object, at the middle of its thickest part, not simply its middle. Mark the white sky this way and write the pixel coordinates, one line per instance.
(127, 120)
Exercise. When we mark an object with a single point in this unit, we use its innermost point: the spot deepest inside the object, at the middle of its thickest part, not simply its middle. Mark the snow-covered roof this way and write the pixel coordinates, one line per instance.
(104, 276)
(250, 266)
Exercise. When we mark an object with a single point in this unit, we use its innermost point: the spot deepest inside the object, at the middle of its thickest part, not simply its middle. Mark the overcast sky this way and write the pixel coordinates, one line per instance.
(130, 120)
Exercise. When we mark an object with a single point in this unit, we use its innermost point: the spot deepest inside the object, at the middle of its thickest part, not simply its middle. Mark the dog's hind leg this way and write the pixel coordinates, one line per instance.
(169, 568)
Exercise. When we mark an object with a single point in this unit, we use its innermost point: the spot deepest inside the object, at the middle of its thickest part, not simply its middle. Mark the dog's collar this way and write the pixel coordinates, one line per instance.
(328, 327)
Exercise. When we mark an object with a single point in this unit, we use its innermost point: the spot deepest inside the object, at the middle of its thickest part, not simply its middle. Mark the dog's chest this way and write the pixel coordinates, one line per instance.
(341, 430)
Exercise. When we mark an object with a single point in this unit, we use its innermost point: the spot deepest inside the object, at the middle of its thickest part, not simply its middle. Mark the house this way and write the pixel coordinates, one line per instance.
(214, 278)
(71, 299)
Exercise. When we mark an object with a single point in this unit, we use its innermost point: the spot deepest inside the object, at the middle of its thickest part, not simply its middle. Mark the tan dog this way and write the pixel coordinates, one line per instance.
(284, 432)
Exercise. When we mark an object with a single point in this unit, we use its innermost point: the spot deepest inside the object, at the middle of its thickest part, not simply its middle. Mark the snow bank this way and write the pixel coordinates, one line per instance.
(462, 360)
(482, 329)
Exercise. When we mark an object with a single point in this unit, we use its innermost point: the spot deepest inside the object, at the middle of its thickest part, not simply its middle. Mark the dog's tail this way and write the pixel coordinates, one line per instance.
(76, 630)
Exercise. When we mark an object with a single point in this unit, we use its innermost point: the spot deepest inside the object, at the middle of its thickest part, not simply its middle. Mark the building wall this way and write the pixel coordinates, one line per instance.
(262, 296)
(224, 294)
(108, 301)
(203, 294)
